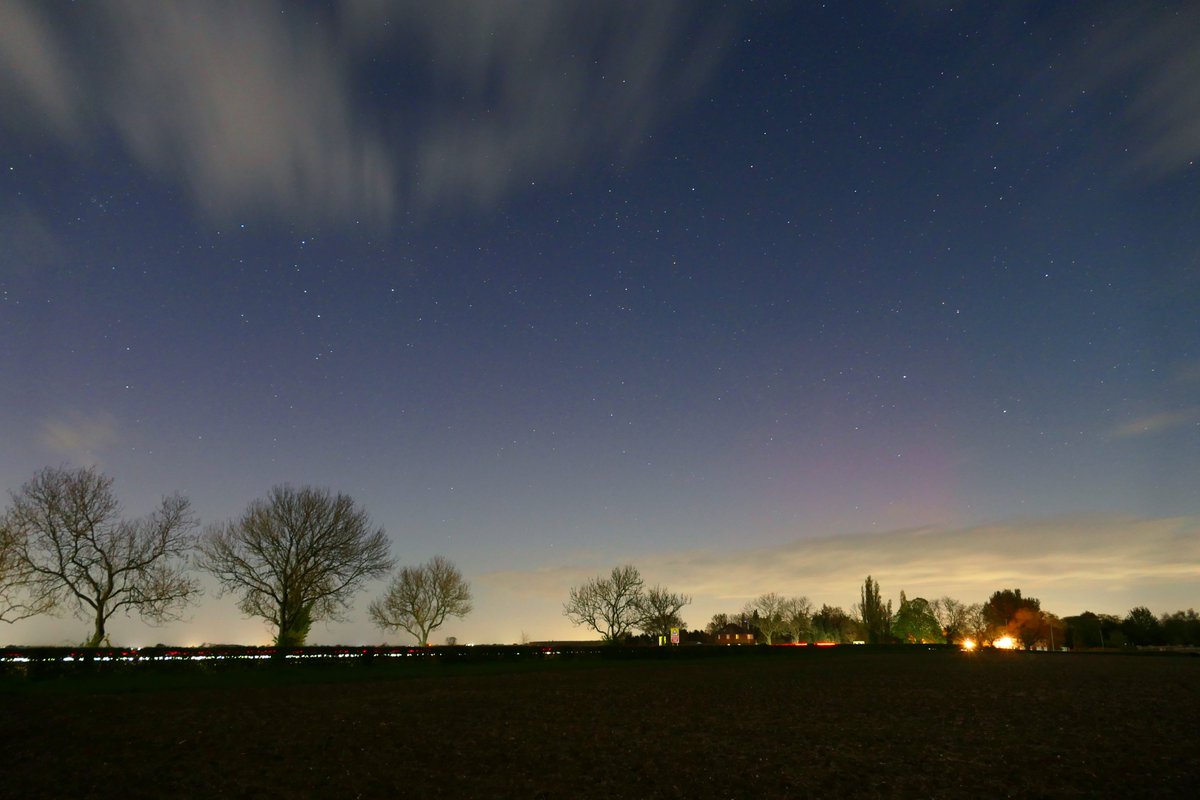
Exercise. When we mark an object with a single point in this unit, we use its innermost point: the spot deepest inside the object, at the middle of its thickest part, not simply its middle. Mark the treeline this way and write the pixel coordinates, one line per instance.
(292, 558)
(621, 609)
(298, 556)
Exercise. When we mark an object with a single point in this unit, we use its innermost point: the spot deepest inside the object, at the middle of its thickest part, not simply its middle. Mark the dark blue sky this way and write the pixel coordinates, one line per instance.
(757, 296)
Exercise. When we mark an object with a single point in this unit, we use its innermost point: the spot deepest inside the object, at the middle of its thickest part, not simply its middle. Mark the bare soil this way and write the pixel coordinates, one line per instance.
(819, 724)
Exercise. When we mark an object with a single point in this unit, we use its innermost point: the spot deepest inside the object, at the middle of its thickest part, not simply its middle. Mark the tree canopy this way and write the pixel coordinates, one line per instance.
(660, 611)
(71, 548)
(296, 557)
(876, 616)
(420, 599)
(916, 622)
(610, 606)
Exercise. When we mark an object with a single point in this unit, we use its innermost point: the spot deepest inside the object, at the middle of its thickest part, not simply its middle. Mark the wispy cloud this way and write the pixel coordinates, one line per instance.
(79, 436)
(1146, 54)
(34, 68)
(525, 90)
(1157, 423)
(250, 108)
(1074, 560)
(278, 108)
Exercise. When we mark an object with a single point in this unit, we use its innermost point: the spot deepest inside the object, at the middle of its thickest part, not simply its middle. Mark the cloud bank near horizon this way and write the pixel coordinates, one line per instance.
(1070, 562)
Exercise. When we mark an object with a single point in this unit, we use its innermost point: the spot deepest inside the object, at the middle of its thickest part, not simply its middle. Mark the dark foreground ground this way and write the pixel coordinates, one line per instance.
(819, 724)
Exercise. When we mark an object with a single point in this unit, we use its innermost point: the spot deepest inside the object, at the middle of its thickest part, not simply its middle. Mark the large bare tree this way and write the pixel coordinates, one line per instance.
(660, 611)
(610, 606)
(75, 551)
(796, 613)
(420, 599)
(765, 612)
(296, 557)
(953, 615)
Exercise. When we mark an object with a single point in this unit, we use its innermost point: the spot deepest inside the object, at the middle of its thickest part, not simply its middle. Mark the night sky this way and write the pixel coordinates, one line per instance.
(759, 297)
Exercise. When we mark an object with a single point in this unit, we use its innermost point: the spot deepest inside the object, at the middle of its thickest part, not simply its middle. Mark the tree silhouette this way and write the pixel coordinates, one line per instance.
(610, 606)
(660, 611)
(876, 616)
(296, 557)
(75, 551)
(421, 598)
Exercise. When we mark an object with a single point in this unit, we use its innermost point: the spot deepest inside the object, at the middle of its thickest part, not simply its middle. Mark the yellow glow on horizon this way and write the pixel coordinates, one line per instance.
(968, 644)
(1004, 643)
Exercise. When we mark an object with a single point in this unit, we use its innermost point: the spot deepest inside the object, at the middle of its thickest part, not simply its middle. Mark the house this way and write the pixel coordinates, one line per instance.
(735, 634)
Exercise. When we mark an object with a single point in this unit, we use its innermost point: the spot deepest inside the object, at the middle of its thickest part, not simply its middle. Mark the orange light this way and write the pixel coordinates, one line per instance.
(1004, 643)
(968, 644)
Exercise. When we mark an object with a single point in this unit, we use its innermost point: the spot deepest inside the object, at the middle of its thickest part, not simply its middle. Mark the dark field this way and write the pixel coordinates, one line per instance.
(844, 723)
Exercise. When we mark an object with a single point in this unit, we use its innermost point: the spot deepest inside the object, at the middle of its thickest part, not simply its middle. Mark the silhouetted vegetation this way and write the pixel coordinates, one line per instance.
(68, 547)
(296, 557)
(420, 599)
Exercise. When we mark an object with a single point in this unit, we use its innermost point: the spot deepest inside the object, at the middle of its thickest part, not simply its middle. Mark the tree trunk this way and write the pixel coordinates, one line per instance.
(98, 634)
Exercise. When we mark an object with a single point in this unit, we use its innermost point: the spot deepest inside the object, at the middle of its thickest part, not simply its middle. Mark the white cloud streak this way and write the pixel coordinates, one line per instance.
(1157, 423)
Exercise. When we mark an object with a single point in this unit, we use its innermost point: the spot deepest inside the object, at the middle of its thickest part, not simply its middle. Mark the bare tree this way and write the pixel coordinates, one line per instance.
(975, 623)
(610, 606)
(952, 615)
(296, 557)
(74, 550)
(420, 598)
(796, 613)
(660, 611)
(718, 623)
(765, 612)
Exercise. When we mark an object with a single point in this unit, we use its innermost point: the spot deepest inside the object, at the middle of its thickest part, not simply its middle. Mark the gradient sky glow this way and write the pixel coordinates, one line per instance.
(759, 297)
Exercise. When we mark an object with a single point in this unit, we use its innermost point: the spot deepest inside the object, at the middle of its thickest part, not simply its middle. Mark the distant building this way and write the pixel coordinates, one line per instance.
(735, 634)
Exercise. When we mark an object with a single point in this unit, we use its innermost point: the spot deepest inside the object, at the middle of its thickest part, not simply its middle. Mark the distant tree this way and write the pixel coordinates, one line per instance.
(832, 624)
(718, 622)
(451, 641)
(610, 606)
(975, 624)
(952, 616)
(660, 611)
(296, 557)
(1141, 627)
(766, 614)
(1053, 635)
(1110, 629)
(876, 616)
(1036, 628)
(1181, 628)
(421, 598)
(1083, 631)
(915, 622)
(796, 613)
(73, 550)
(1001, 608)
